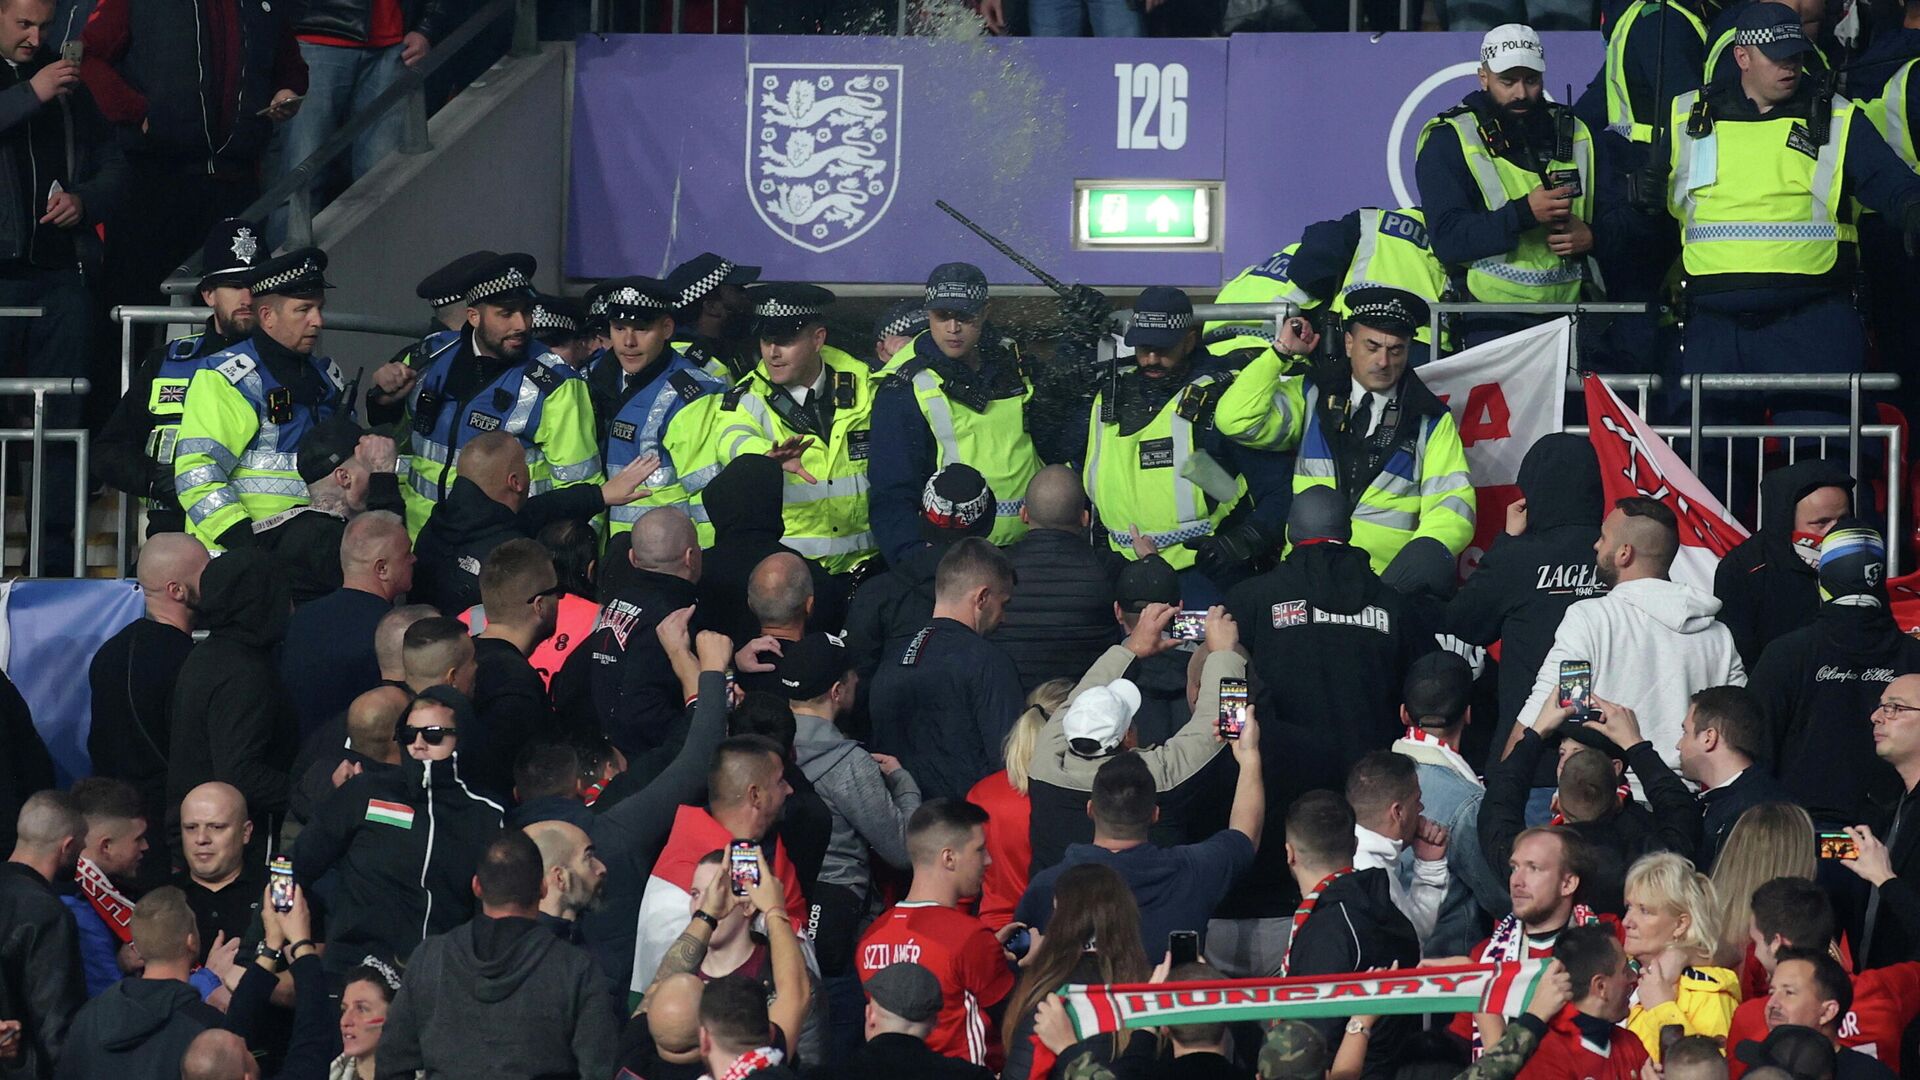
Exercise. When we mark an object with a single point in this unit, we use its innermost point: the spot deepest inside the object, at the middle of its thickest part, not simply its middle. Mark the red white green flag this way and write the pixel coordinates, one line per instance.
(1502, 988)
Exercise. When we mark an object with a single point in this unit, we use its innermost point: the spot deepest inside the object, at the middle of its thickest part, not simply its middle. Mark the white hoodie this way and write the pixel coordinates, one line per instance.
(1420, 903)
(1652, 643)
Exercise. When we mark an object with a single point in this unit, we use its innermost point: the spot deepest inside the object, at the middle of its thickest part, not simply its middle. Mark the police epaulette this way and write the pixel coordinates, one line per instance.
(731, 399)
(684, 384)
(544, 377)
(1448, 114)
(183, 348)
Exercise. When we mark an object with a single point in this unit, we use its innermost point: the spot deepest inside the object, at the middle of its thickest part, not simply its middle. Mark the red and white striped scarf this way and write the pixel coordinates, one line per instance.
(1624, 791)
(1426, 745)
(1304, 911)
(752, 1062)
(113, 906)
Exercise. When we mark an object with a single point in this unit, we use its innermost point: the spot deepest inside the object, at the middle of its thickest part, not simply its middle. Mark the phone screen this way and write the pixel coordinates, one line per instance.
(743, 864)
(72, 50)
(1189, 626)
(1233, 708)
(1836, 845)
(1184, 945)
(1576, 687)
(280, 883)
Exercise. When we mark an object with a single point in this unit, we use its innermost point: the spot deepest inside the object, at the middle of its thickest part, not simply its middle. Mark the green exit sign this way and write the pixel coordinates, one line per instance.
(1146, 214)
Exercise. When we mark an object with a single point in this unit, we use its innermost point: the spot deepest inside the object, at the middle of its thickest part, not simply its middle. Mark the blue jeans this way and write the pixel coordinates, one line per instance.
(341, 81)
(1069, 18)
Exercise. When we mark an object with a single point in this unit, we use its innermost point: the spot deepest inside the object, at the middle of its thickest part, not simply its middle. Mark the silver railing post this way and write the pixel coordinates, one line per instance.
(413, 138)
(300, 217)
(36, 501)
(526, 30)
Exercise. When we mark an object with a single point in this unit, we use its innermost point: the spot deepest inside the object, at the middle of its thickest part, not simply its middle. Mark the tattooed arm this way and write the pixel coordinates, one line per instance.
(687, 950)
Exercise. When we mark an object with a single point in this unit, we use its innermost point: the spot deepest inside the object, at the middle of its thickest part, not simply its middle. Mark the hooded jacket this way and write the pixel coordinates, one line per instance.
(37, 936)
(232, 718)
(1321, 629)
(1818, 687)
(619, 682)
(404, 843)
(1356, 927)
(468, 524)
(1652, 643)
(743, 505)
(869, 809)
(1525, 584)
(138, 1027)
(1061, 617)
(501, 997)
(1765, 589)
(891, 607)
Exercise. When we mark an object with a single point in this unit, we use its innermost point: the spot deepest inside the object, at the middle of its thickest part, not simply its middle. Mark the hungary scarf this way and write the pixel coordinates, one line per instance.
(1493, 988)
(109, 903)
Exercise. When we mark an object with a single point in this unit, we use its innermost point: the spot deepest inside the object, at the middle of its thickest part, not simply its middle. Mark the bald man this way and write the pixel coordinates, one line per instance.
(743, 505)
(1061, 617)
(574, 876)
(491, 502)
(349, 472)
(218, 1055)
(672, 1015)
(132, 677)
(221, 883)
(40, 976)
(328, 658)
(621, 682)
(1652, 642)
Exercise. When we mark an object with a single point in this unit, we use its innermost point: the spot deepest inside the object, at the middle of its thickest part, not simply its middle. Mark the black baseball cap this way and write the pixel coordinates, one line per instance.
(808, 668)
(956, 286)
(1772, 28)
(1161, 317)
(905, 318)
(1151, 580)
(327, 445)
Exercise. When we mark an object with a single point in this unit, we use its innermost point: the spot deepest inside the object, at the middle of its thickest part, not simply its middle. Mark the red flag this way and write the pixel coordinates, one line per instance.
(1635, 461)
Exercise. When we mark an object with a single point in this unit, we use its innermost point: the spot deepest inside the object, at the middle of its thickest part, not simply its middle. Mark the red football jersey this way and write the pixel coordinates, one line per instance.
(1885, 1001)
(964, 955)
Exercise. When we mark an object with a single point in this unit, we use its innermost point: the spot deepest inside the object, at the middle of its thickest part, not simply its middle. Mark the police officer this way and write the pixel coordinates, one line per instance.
(249, 407)
(1651, 45)
(558, 326)
(1161, 478)
(1723, 72)
(1269, 282)
(713, 315)
(648, 398)
(963, 395)
(443, 291)
(489, 380)
(347, 472)
(1510, 185)
(809, 406)
(1764, 178)
(896, 328)
(134, 450)
(1368, 428)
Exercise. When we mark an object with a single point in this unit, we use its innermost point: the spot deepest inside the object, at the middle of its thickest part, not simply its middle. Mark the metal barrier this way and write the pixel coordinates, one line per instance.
(1601, 307)
(39, 435)
(296, 188)
(128, 315)
(22, 312)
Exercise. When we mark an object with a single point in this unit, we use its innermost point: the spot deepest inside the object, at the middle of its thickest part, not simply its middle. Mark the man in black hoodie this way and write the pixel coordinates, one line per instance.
(140, 1026)
(1818, 685)
(743, 505)
(544, 1008)
(1768, 584)
(489, 505)
(1061, 618)
(233, 720)
(1352, 923)
(1530, 577)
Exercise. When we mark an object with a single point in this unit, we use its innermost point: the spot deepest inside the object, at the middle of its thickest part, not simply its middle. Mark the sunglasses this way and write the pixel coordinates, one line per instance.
(434, 734)
(556, 592)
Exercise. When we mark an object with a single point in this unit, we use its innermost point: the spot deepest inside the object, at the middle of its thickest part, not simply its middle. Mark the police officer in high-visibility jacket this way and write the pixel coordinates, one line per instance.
(809, 406)
(444, 293)
(236, 460)
(1652, 46)
(1368, 428)
(895, 330)
(490, 380)
(959, 395)
(649, 399)
(558, 323)
(1160, 477)
(1723, 72)
(1269, 282)
(134, 450)
(1511, 185)
(712, 317)
(1763, 177)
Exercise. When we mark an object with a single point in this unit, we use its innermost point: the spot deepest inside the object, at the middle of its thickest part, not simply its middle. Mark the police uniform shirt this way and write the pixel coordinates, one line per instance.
(1379, 401)
(803, 394)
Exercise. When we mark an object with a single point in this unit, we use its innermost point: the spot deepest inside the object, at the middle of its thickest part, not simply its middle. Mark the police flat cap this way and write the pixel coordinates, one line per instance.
(499, 280)
(297, 273)
(556, 317)
(1396, 311)
(448, 284)
(780, 310)
(706, 272)
(638, 299)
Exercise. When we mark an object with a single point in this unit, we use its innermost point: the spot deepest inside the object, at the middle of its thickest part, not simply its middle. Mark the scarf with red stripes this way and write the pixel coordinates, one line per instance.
(113, 906)
(752, 1062)
(1305, 911)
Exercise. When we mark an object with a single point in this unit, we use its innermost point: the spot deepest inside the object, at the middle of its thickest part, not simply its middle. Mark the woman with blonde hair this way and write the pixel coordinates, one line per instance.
(1771, 840)
(1672, 928)
(1003, 796)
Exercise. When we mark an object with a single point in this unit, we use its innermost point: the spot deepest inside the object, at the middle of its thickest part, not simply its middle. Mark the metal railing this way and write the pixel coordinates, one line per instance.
(22, 312)
(126, 519)
(295, 189)
(1599, 307)
(38, 436)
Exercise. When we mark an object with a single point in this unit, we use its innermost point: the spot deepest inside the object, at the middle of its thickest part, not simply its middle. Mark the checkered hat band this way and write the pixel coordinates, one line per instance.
(904, 326)
(1161, 320)
(708, 282)
(443, 301)
(1767, 35)
(307, 268)
(634, 298)
(544, 319)
(956, 290)
(512, 279)
(1385, 310)
(780, 309)
(598, 307)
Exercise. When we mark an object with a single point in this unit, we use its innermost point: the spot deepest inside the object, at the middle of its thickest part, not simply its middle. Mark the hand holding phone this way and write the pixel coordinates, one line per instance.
(1576, 689)
(1189, 626)
(1184, 947)
(1233, 708)
(743, 866)
(1837, 845)
(280, 883)
(72, 49)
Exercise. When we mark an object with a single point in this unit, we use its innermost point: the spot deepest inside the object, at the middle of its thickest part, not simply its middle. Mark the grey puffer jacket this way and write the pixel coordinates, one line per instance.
(870, 809)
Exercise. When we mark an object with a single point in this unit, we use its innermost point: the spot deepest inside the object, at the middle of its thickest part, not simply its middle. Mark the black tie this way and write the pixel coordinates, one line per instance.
(1362, 416)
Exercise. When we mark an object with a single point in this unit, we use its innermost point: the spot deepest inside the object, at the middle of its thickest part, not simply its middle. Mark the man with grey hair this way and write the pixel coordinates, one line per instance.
(41, 983)
(328, 658)
(620, 682)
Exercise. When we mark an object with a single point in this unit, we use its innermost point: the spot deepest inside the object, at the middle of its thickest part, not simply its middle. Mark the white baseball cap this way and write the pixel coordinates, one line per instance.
(1512, 45)
(1098, 720)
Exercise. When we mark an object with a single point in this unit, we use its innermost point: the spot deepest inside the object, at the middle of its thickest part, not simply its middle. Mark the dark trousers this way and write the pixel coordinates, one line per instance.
(51, 346)
(168, 211)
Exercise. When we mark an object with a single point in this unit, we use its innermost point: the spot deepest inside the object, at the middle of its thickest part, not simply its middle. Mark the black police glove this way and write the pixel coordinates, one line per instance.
(1910, 228)
(1232, 555)
(239, 535)
(160, 482)
(1084, 310)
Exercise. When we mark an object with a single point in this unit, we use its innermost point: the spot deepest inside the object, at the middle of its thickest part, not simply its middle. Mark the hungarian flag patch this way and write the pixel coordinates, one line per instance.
(399, 815)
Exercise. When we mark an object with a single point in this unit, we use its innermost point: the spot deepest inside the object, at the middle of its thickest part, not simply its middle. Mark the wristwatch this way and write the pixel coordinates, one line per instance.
(712, 923)
(271, 954)
(1355, 1026)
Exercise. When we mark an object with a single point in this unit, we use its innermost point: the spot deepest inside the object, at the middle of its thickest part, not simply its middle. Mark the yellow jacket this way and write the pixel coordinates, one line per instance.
(1703, 1004)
